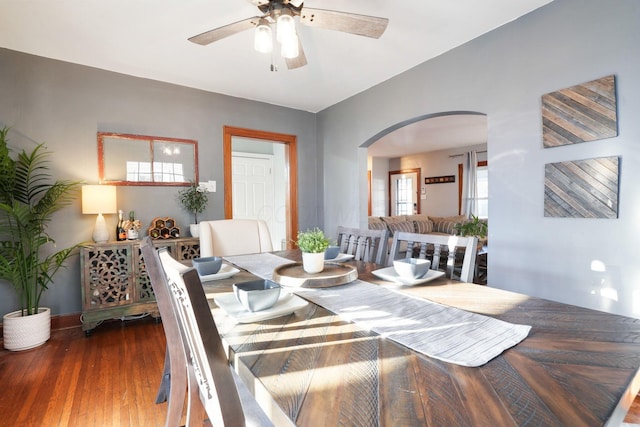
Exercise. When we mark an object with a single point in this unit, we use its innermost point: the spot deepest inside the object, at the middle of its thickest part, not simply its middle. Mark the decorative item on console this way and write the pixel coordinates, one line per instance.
(164, 228)
(121, 233)
(194, 199)
(132, 226)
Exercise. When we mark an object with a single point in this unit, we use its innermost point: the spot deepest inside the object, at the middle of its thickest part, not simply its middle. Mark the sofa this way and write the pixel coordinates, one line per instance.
(423, 224)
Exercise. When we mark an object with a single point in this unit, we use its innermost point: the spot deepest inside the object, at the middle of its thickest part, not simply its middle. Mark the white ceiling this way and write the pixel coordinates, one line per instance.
(433, 134)
(148, 38)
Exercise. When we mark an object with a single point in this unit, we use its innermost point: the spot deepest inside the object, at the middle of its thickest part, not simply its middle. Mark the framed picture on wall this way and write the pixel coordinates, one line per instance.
(440, 179)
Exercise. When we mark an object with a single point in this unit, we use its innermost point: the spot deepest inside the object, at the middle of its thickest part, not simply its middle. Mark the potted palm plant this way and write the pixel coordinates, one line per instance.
(194, 199)
(28, 200)
(313, 244)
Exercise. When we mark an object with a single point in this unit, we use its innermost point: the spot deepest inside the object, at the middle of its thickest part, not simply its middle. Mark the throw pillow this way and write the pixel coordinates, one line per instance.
(401, 226)
(444, 226)
(377, 226)
(390, 219)
(453, 218)
(423, 226)
(418, 217)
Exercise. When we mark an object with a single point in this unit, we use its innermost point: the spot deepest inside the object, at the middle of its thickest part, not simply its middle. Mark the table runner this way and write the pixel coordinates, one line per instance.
(439, 331)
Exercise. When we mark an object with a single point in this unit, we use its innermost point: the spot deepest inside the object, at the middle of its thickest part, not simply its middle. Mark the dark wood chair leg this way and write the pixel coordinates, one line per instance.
(165, 383)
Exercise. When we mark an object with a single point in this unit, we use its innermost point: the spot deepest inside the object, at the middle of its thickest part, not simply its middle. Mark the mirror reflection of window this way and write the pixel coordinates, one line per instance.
(139, 171)
(122, 160)
(145, 160)
(168, 172)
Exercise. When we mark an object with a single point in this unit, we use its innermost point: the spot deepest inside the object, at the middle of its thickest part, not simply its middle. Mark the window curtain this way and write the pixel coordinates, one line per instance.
(470, 187)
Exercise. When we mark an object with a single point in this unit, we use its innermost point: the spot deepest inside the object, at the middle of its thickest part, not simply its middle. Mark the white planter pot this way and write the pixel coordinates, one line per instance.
(195, 230)
(313, 263)
(25, 332)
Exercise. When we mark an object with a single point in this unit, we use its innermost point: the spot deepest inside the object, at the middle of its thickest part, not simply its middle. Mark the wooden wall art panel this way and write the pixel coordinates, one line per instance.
(582, 188)
(585, 112)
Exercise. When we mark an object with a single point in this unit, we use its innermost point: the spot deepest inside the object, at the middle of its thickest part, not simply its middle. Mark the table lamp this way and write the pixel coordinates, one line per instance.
(99, 199)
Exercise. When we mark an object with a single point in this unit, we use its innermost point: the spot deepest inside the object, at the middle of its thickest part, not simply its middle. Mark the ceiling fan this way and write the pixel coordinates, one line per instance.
(282, 12)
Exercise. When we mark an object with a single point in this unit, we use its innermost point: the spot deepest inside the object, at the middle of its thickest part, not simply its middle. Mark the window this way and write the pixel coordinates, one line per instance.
(482, 182)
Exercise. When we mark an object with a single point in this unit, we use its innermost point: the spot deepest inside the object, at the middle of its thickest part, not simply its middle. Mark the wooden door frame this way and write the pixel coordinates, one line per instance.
(291, 175)
(417, 171)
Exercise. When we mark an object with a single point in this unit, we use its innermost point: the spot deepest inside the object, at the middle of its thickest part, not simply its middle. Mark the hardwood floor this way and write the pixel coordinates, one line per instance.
(108, 379)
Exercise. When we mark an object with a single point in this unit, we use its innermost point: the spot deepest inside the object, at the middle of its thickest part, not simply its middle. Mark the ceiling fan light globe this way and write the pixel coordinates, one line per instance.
(263, 41)
(285, 27)
(289, 48)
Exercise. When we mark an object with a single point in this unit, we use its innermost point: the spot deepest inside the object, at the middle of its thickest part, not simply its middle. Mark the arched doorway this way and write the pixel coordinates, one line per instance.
(400, 147)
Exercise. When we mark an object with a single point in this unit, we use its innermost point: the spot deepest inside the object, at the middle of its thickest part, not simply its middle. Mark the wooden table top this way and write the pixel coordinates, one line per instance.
(577, 367)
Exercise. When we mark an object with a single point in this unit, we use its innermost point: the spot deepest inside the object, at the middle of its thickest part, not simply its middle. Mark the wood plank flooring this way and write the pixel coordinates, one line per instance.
(108, 379)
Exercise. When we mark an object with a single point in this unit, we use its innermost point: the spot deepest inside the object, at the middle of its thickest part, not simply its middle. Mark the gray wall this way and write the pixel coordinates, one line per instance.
(503, 74)
(65, 105)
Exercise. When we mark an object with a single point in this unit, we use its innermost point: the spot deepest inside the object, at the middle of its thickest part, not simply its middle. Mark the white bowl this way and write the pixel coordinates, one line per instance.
(257, 295)
(411, 268)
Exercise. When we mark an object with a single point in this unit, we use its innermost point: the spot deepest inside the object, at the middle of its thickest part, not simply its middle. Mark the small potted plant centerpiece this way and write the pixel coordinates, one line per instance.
(194, 199)
(313, 244)
(28, 201)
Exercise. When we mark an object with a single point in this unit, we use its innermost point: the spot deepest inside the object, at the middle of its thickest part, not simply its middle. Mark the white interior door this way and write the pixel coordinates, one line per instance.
(253, 185)
(404, 193)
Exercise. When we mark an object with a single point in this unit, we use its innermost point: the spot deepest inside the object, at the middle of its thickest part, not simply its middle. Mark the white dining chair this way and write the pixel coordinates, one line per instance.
(441, 250)
(364, 244)
(234, 237)
(209, 378)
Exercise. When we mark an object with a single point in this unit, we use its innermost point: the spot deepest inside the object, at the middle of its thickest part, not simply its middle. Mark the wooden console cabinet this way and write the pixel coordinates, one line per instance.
(115, 282)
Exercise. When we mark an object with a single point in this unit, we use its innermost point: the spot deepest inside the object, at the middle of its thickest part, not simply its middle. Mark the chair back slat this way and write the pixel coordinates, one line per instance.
(439, 249)
(364, 244)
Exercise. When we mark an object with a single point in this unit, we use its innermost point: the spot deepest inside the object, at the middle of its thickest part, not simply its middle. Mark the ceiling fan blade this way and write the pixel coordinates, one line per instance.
(298, 61)
(228, 30)
(362, 25)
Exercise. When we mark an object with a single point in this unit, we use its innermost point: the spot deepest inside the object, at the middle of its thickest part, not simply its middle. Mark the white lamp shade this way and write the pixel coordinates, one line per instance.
(290, 48)
(99, 199)
(285, 27)
(263, 41)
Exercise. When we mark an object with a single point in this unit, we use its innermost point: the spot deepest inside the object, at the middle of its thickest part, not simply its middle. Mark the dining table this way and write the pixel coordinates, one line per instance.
(316, 366)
